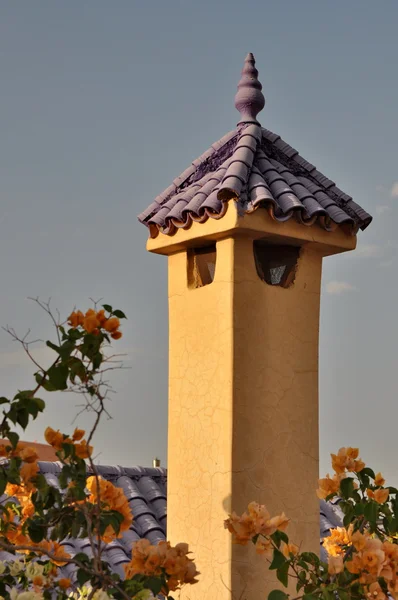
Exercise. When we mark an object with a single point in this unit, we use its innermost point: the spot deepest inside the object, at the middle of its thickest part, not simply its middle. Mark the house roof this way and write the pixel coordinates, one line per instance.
(44, 451)
(255, 168)
(145, 489)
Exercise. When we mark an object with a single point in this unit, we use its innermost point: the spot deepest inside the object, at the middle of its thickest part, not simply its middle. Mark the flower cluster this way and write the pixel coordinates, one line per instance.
(111, 498)
(370, 559)
(173, 562)
(39, 576)
(57, 439)
(93, 321)
(29, 458)
(256, 521)
(346, 460)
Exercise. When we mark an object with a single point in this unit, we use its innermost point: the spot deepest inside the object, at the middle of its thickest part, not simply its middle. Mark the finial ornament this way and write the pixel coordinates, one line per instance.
(249, 99)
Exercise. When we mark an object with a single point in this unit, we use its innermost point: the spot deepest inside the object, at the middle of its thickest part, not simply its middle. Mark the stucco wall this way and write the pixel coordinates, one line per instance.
(243, 395)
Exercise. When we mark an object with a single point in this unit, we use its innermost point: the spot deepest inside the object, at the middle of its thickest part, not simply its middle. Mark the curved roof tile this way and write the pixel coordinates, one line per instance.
(256, 169)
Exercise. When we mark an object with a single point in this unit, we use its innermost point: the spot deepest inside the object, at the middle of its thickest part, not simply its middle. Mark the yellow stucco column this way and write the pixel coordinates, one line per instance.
(243, 396)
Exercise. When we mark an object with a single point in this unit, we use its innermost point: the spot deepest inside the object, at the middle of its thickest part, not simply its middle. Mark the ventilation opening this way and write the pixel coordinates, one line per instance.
(276, 265)
(201, 266)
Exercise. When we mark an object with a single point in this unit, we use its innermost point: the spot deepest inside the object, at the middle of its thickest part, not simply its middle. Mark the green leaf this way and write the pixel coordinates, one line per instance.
(58, 376)
(347, 487)
(53, 346)
(302, 564)
(66, 349)
(309, 597)
(35, 406)
(45, 384)
(14, 438)
(348, 517)
(328, 595)
(368, 471)
(77, 369)
(278, 560)
(97, 360)
(371, 512)
(3, 483)
(36, 532)
(154, 584)
(278, 537)
(277, 595)
(282, 573)
(358, 509)
(4, 400)
(107, 307)
(23, 417)
(119, 314)
(310, 557)
(82, 558)
(82, 576)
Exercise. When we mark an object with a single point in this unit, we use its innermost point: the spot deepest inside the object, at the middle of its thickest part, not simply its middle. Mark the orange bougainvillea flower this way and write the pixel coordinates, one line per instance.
(28, 471)
(163, 558)
(358, 540)
(346, 460)
(112, 324)
(64, 583)
(375, 592)
(78, 434)
(116, 335)
(380, 496)
(54, 548)
(102, 318)
(335, 565)
(328, 486)
(38, 580)
(75, 319)
(83, 450)
(255, 521)
(264, 546)
(90, 322)
(54, 438)
(336, 543)
(289, 549)
(379, 479)
(28, 454)
(112, 498)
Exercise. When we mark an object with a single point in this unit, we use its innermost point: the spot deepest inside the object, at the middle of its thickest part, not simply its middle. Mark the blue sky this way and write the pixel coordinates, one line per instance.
(103, 104)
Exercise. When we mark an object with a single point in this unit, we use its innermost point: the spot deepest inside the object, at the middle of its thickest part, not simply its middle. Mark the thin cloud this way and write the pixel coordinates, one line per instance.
(368, 251)
(386, 263)
(339, 287)
(382, 208)
(394, 190)
(17, 358)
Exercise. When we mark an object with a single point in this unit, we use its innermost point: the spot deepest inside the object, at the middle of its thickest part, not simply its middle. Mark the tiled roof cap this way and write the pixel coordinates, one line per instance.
(255, 168)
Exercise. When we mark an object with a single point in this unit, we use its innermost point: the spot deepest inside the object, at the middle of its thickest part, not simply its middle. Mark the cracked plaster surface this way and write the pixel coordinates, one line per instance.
(243, 411)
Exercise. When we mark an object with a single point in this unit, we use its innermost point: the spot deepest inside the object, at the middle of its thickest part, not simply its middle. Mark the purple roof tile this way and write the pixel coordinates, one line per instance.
(255, 168)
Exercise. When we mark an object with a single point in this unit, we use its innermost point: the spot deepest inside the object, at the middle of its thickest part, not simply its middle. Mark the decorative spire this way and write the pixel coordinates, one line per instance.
(249, 99)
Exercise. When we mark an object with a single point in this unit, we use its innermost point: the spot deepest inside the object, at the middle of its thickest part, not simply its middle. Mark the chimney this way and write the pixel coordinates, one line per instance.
(245, 229)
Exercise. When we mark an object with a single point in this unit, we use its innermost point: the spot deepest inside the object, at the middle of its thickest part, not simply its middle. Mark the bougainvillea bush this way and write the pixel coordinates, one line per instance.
(362, 555)
(37, 516)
